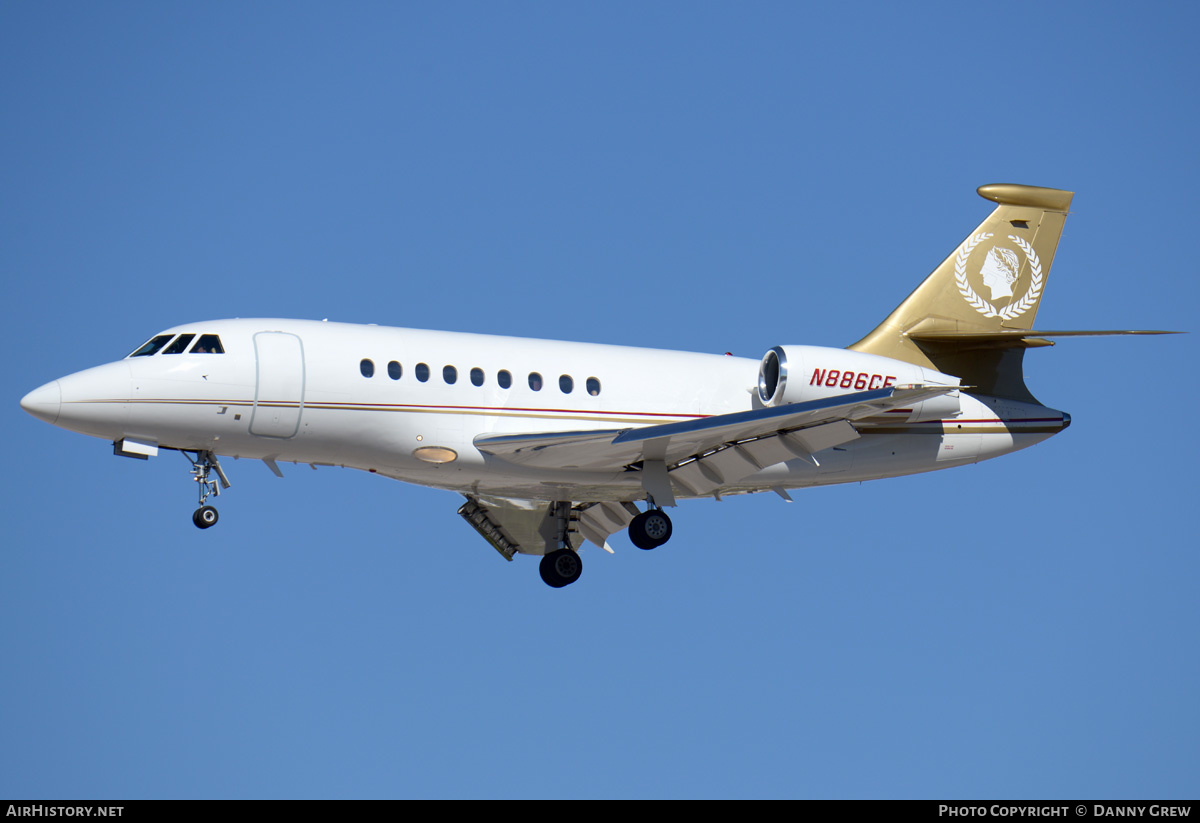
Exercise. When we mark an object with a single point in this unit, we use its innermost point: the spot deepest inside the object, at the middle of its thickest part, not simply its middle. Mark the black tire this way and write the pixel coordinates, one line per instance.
(561, 568)
(650, 529)
(205, 517)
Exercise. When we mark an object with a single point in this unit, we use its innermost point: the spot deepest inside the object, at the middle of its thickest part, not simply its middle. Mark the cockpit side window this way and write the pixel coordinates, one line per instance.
(180, 344)
(208, 344)
(152, 345)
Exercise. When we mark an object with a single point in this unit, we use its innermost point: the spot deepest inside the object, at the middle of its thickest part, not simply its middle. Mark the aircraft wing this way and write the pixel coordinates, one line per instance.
(707, 453)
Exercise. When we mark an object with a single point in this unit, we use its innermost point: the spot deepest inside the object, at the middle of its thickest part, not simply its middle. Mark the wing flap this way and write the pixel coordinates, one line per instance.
(599, 520)
(826, 436)
(768, 451)
(513, 526)
(695, 479)
(707, 473)
(733, 462)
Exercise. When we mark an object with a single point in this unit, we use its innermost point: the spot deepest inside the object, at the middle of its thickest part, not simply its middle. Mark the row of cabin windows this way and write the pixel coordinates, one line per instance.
(207, 344)
(503, 377)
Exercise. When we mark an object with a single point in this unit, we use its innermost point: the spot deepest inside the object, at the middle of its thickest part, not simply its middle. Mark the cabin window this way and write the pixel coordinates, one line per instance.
(208, 344)
(395, 370)
(477, 377)
(367, 368)
(422, 372)
(504, 379)
(535, 381)
(450, 374)
(566, 383)
(151, 346)
(181, 343)
(593, 386)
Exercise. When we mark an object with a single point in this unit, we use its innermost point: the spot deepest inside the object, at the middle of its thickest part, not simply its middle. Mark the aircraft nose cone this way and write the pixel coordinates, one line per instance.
(44, 402)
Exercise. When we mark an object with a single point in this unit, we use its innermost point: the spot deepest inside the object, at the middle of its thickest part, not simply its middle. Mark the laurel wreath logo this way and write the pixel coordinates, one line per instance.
(960, 275)
(983, 306)
(1035, 286)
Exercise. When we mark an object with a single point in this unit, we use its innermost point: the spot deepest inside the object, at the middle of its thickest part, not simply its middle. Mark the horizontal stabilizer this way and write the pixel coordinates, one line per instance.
(1017, 334)
(973, 316)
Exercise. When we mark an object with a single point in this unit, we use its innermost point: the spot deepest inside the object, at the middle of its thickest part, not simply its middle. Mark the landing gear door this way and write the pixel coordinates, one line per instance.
(279, 390)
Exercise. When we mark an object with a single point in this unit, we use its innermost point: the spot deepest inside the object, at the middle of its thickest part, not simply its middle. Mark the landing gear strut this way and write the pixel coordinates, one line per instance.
(562, 566)
(650, 529)
(203, 463)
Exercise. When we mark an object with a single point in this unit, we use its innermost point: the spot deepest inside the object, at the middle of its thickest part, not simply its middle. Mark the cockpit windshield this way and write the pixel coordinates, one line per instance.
(180, 344)
(207, 344)
(152, 346)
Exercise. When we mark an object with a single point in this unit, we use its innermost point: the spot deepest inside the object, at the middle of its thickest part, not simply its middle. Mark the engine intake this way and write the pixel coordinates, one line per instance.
(796, 374)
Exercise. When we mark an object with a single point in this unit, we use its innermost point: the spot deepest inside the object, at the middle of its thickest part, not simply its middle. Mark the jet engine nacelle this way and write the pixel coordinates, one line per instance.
(795, 374)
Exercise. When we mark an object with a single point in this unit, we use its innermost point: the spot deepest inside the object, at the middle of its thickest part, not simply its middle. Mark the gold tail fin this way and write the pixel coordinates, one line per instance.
(992, 283)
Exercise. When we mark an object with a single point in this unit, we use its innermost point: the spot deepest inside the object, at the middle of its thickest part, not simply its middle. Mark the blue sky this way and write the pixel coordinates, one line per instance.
(703, 176)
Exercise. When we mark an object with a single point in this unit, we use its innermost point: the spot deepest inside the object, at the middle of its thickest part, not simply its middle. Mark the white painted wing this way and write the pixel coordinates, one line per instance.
(674, 443)
(698, 456)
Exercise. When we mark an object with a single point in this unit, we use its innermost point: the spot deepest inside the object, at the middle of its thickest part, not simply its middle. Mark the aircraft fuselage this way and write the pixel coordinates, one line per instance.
(352, 395)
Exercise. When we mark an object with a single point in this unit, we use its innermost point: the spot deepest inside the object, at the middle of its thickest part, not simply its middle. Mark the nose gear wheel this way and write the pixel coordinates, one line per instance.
(203, 464)
(205, 517)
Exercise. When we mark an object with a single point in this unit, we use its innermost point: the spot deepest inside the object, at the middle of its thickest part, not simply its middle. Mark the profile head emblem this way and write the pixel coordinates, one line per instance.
(999, 272)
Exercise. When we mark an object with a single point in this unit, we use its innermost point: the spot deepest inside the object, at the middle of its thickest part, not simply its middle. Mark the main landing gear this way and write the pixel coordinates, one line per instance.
(650, 529)
(561, 567)
(203, 463)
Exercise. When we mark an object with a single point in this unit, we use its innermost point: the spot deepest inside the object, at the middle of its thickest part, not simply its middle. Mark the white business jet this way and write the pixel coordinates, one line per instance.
(553, 443)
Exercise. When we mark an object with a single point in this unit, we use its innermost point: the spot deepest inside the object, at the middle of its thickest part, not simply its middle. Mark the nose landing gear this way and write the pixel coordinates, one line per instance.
(205, 517)
(203, 463)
